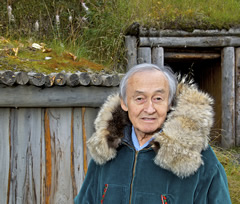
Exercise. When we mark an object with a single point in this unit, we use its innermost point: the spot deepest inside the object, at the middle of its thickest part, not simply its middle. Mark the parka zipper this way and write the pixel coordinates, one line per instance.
(134, 168)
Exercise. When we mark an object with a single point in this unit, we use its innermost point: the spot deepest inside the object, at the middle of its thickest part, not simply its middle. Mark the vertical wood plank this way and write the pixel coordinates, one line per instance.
(228, 97)
(131, 51)
(26, 147)
(144, 55)
(4, 155)
(60, 129)
(238, 97)
(158, 56)
(79, 173)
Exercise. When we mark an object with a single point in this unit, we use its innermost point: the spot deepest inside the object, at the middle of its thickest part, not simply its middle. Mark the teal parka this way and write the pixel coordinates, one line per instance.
(178, 167)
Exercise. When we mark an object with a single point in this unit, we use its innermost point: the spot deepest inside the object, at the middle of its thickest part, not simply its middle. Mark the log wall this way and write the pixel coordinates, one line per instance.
(43, 153)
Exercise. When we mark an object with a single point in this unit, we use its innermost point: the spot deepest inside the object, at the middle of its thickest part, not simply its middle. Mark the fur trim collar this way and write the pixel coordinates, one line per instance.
(178, 147)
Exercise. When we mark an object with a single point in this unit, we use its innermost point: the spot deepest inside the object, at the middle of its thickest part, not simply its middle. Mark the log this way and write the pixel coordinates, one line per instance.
(228, 97)
(107, 80)
(115, 80)
(72, 79)
(60, 79)
(192, 56)
(96, 79)
(8, 78)
(49, 80)
(131, 51)
(143, 31)
(144, 55)
(85, 79)
(189, 41)
(36, 79)
(238, 97)
(22, 78)
(57, 96)
(158, 56)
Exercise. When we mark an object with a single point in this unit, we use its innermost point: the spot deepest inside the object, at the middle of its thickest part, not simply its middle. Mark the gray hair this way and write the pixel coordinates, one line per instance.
(167, 71)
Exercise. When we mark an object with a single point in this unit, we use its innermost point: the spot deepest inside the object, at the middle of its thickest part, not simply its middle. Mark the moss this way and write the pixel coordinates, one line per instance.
(29, 59)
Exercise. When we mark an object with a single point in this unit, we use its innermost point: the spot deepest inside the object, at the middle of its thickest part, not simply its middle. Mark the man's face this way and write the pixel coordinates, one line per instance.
(147, 101)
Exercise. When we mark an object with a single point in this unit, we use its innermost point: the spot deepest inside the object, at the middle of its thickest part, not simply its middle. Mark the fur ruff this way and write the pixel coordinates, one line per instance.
(178, 147)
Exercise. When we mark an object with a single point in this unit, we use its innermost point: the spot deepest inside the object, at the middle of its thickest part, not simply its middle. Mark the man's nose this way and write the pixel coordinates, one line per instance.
(149, 107)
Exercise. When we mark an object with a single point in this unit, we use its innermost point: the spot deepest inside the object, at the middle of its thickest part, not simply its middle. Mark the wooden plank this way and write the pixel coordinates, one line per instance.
(237, 96)
(79, 173)
(131, 51)
(89, 117)
(60, 130)
(4, 155)
(158, 56)
(189, 41)
(31, 96)
(25, 151)
(228, 97)
(192, 56)
(144, 55)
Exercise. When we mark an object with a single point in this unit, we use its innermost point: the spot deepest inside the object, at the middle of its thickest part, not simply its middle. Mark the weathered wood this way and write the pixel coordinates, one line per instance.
(237, 97)
(60, 129)
(72, 79)
(22, 78)
(131, 51)
(189, 42)
(107, 80)
(25, 152)
(49, 80)
(79, 173)
(96, 79)
(5, 155)
(158, 56)
(89, 117)
(228, 97)
(180, 33)
(60, 79)
(144, 55)
(85, 79)
(32, 96)
(36, 79)
(8, 78)
(193, 56)
(115, 80)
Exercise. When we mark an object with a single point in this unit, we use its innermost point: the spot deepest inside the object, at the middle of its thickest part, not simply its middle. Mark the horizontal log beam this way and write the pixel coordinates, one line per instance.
(32, 96)
(189, 41)
(175, 55)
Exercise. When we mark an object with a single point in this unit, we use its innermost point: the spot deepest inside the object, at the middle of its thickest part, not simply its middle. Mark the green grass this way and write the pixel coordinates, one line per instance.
(230, 160)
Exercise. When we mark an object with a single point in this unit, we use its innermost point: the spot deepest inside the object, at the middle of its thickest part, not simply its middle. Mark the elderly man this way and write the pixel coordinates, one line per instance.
(149, 150)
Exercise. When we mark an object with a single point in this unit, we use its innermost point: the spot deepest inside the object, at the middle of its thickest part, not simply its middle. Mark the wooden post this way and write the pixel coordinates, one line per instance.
(131, 51)
(144, 55)
(158, 56)
(238, 97)
(228, 97)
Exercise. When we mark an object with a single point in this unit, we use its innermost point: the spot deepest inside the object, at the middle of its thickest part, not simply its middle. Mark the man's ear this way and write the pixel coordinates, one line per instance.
(123, 105)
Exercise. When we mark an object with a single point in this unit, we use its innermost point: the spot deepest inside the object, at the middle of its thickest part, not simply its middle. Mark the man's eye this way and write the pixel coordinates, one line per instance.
(158, 99)
(139, 99)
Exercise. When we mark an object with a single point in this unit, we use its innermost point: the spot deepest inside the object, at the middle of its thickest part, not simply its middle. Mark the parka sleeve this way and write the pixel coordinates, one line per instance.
(214, 187)
(88, 191)
(218, 192)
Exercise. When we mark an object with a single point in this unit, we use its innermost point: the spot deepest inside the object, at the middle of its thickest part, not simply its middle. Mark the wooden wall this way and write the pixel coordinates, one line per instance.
(43, 153)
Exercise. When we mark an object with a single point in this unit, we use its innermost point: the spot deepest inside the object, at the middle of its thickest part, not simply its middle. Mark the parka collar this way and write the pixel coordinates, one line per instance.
(178, 147)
